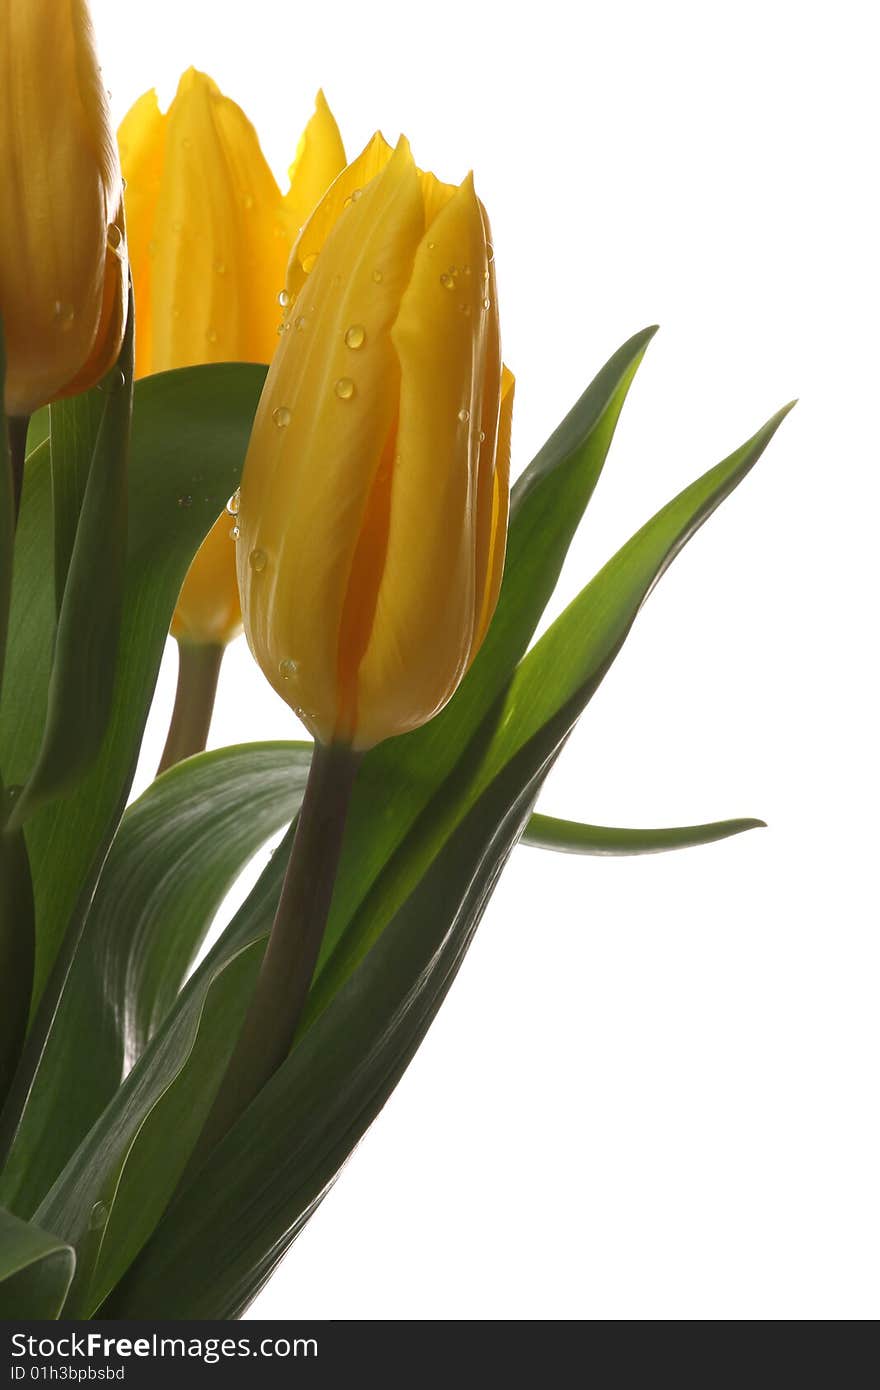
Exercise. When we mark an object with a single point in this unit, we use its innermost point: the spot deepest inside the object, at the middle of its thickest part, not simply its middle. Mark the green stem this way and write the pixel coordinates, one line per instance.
(291, 954)
(18, 432)
(197, 672)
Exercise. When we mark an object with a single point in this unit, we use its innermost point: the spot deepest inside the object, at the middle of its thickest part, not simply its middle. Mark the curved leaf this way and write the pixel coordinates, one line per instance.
(179, 849)
(571, 837)
(35, 1271)
(189, 435)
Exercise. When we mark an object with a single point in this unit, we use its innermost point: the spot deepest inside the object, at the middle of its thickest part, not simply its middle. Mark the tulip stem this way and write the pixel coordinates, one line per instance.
(18, 433)
(291, 953)
(198, 668)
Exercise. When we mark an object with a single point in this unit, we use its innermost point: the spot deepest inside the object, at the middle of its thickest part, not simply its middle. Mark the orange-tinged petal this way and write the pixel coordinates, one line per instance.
(61, 189)
(208, 609)
(500, 509)
(320, 158)
(424, 621)
(324, 417)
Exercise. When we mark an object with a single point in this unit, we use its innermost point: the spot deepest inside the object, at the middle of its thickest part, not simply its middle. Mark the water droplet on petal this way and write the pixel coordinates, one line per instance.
(257, 560)
(114, 237)
(377, 276)
(490, 252)
(235, 532)
(482, 436)
(487, 303)
(355, 194)
(432, 246)
(464, 309)
(299, 323)
(447, 281)
(247, 201)
(64, 314)
(464, 415)
(211, 335)
(186, 142)
(233, 506)
(309, 263)
(286, 669)
(344, 388)
(356, 336)
(283, 298)
(185, 500)
(281, 416)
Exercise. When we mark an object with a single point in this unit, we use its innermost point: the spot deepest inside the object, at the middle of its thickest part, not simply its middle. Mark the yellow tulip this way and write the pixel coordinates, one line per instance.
(63, 265)
(209, 236)
(373, 511)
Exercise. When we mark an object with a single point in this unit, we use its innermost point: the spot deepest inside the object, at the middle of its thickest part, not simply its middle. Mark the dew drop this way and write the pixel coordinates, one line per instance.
(490, 252)
(185, 500)
(114, 237)
(377, 277)
(235, 532)
(482, 436)
(356, 336)
(247, 201)
(64, 314)
(432, 246)
(487, 303)
(344, 388)
(299, 323)
(283, 298)
(355, 194)
(464, 309)
(466, 270)
(281, 416)
(447, 281)
(464, 415)
(113, 382)
(309, 263)
(186, 142)
(98, 1216)
(257, 560)
(233, 506)
(211, 335)
(286, 669)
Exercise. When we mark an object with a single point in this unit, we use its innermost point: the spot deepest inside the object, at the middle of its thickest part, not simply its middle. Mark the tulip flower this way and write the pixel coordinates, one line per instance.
(372, 520)
(63, 263)
(373, 509)
(209, 235)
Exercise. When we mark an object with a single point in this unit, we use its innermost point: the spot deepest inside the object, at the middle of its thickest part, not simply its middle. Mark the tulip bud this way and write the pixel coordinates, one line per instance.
(373, 511)
(209, 235)
(63, 264)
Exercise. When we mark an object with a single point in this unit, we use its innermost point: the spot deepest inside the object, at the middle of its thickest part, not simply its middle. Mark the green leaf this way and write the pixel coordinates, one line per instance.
(35, 1271)
(367, 1017)
(16, 948)
(556, 679)
(94, 526)
(189, 435)
(179, 849)
(572, 837)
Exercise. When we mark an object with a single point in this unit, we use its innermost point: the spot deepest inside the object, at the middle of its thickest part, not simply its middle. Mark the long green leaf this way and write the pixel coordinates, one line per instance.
(35, 1271)
(81, 685)
(179, 849)
(437, 887)
(189, 434)
(7, 513)
(562, 670)
(572, 837)
(16, 948)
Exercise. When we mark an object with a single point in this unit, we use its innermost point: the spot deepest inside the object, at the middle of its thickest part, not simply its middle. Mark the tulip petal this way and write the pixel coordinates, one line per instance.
(325, 415)
(208, 608)
(320, 158)
(219, 237)
(500, 509)
(339, 196)
(423, 628)
(142, 151)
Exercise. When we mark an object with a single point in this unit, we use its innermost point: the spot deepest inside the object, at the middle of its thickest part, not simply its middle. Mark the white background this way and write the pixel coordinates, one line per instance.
(652, 1092)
